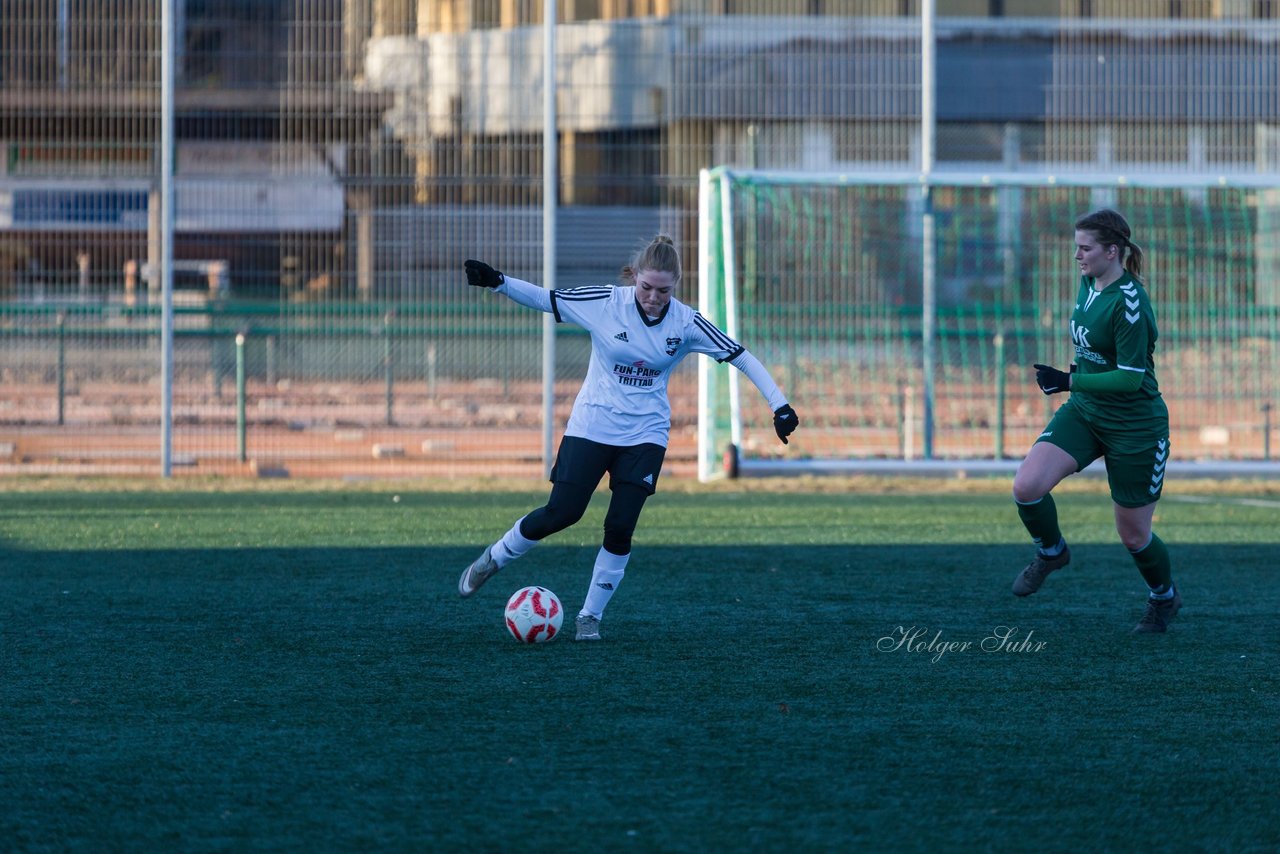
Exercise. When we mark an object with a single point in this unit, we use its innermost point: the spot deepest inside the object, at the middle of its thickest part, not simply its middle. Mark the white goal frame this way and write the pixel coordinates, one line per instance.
(718, 458)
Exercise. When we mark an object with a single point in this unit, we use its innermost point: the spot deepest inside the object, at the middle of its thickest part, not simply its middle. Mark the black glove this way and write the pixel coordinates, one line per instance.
(785, 422)
(481, 275)
(1052, 380)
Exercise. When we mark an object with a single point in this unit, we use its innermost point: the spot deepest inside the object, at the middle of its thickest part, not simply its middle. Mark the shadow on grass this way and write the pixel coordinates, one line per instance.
(346, 697)
(417, 585)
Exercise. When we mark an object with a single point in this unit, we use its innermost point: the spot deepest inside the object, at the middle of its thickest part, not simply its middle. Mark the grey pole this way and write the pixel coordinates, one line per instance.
(929, 289)
(550, 192)
(166, 236)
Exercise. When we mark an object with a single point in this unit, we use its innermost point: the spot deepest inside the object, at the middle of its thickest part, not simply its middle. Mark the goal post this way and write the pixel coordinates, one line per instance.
(822, 275)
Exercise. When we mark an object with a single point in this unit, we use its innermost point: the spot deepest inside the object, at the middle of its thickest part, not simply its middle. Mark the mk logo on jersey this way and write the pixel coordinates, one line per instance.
(622, 336)
(672, 345)
(1080, 335)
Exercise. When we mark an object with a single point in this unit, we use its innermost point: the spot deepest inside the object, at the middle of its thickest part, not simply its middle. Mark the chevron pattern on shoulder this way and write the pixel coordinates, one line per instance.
(1131, 302)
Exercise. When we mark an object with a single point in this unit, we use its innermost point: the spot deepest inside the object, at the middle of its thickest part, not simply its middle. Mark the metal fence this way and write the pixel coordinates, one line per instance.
(335, 161)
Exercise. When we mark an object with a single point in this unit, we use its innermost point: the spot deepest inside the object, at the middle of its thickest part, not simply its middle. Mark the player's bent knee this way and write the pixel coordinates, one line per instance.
(563, 517)
(1026, 492)
(1133, 544)
(1133, 540)
(550, 519)
(617, 542)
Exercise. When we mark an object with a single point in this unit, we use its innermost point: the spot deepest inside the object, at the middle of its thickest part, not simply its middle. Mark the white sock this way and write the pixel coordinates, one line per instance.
(512, 545)
(605, 579)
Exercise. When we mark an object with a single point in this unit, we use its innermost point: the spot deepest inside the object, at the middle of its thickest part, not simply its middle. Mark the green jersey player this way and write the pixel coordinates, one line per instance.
(1115, 411)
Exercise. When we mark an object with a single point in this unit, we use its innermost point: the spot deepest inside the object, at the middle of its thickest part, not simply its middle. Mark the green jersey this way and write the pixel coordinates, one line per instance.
(1114, 329)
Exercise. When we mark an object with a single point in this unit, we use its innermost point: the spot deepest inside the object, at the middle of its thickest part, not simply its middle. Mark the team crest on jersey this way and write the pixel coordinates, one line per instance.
(673, 344)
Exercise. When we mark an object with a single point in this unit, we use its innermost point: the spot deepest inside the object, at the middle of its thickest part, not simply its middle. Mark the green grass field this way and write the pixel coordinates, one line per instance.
(289, 667)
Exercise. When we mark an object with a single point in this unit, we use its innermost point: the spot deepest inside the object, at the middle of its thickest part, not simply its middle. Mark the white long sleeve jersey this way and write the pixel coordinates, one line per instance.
(623, 400)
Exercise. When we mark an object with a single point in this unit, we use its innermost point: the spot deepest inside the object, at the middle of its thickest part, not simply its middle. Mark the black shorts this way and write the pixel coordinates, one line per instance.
(583, 462)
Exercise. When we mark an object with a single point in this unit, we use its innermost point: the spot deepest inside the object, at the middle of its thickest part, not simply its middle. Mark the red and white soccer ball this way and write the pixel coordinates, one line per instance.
(534, 615)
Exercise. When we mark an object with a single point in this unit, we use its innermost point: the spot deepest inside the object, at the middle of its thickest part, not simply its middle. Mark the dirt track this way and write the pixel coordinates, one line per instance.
(463, 430)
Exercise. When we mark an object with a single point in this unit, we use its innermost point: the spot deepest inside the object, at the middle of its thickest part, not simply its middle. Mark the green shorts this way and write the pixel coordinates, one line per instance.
(1135, 461)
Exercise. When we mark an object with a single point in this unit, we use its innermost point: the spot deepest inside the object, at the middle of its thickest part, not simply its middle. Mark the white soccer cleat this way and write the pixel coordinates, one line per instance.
(481, 570)
(588, 628)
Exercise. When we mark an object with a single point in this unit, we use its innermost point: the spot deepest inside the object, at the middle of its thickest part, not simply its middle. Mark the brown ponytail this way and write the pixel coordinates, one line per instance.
(660, 256)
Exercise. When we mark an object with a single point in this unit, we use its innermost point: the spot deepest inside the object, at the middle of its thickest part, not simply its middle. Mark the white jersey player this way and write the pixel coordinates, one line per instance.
(622, 416)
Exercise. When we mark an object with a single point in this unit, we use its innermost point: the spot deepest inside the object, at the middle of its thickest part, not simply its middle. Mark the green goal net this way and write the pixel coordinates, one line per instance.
(902, 319)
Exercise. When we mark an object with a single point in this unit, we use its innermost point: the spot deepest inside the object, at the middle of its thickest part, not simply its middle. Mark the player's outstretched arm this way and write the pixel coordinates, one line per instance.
(481, 275)
(785, 420)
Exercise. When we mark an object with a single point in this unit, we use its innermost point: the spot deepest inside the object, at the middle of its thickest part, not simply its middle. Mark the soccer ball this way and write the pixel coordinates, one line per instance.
(534, 615)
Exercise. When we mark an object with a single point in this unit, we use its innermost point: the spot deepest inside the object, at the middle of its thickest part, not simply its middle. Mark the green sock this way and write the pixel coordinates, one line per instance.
(1153, 562)
(1041, 520)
